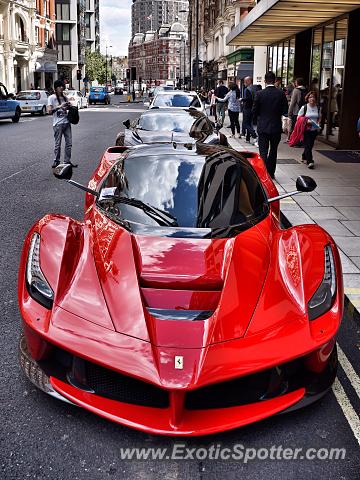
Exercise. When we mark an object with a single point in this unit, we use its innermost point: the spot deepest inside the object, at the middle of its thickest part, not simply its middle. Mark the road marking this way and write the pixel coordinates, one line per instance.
(112, 110)
(352, 291)
(349, 370)
(22, 170)
(348, 410)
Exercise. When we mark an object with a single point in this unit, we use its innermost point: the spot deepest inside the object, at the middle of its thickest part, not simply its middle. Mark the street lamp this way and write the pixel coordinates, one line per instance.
(189, 42)
(106, 61)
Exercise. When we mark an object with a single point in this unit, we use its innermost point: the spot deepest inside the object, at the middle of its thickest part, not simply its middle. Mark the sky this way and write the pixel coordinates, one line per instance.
(115, 26)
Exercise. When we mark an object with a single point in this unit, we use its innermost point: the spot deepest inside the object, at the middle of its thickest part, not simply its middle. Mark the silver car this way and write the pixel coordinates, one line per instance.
(33, 101)
(178, 99)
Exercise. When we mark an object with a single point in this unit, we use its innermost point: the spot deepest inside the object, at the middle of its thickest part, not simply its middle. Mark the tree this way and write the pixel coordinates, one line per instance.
(95, 66)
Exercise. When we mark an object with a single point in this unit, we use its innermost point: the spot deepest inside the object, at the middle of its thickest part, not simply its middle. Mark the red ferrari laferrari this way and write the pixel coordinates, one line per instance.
(180, 306)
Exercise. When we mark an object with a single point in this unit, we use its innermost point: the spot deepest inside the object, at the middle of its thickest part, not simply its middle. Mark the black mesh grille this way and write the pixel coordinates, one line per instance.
(115, 386)
(248, 389)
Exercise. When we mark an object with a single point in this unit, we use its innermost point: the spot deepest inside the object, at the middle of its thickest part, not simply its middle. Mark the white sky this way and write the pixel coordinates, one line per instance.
(115, 26)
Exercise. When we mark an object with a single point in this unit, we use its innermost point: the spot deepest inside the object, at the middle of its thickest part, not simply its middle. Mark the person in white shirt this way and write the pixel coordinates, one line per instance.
(311, 111)
(58, 106)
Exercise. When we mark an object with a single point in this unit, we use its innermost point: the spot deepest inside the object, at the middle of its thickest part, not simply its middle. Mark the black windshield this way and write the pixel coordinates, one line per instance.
(214, 191)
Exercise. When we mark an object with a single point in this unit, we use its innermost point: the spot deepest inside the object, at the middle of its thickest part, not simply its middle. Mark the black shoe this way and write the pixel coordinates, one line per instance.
(74, 165)
(55, 164)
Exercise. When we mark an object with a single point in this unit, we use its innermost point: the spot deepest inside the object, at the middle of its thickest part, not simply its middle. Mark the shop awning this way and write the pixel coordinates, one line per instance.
(245, 70)
(273, 20)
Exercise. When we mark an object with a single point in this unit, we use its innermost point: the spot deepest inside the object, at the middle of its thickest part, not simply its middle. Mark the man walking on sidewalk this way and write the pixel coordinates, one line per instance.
(248, 101)
(220, 92)
(269, 105)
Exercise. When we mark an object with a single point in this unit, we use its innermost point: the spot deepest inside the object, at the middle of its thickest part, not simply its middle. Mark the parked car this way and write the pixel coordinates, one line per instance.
(99, 95)
(168, 125)
(77, 99)
(33, 101)
(179, 305)
(9, 108)
(178, 99)
(119, 91)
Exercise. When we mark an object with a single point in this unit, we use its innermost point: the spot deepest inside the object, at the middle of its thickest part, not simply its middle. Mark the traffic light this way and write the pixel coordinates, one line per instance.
(78, 74)
(133, 73)
(140, 80)
(128, 74)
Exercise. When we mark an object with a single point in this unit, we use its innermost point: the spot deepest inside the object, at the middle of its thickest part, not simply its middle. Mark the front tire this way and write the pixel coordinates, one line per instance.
(43, 111)
(16, 117)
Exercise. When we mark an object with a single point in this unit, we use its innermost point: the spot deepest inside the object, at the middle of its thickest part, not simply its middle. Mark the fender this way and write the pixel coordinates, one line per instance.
(295, 272)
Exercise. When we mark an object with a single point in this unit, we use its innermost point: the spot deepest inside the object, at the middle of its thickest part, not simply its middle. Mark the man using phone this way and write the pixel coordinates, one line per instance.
(58, 106)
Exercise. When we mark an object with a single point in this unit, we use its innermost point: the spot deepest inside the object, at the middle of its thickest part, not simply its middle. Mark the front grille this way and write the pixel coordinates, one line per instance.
(248, 389)
(122, 388)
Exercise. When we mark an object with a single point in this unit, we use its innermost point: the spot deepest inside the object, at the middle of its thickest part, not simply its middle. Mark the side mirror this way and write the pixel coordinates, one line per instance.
(127, 123)
(63, 171)
(146, 104)
(305, 184)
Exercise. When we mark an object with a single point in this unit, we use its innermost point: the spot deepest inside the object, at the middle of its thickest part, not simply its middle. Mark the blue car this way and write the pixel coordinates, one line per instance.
(9, 108)
(99, 94)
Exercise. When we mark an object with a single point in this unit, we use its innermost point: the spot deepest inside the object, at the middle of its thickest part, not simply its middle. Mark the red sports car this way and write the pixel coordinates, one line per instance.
(180, 306)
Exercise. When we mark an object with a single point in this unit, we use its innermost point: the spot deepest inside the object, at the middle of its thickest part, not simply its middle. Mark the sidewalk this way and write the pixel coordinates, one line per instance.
(335, 204)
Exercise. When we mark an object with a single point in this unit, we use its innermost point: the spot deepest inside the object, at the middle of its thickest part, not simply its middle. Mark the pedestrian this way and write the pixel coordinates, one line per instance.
(58, 106)
(213, 105)
(269, 105)
(311, 112)
(133, 94)
(233, 99)
(220, 91)
(297, 101)
(278, 82)
(247, 103)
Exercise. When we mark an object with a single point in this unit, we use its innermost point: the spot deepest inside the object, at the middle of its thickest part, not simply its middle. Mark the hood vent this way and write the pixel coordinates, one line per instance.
(187, 315)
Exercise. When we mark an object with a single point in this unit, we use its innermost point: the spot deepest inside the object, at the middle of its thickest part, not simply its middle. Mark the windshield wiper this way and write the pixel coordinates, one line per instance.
(160, 216)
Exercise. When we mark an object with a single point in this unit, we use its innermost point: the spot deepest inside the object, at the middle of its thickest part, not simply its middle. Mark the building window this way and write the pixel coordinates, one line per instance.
(63, 10)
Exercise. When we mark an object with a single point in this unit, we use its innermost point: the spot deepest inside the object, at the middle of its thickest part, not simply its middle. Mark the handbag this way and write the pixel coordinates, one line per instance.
(73, 115)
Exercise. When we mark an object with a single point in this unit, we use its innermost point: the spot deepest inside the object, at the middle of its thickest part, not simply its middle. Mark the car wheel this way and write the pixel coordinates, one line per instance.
(120, 140)
(16, 118)
(43, 111)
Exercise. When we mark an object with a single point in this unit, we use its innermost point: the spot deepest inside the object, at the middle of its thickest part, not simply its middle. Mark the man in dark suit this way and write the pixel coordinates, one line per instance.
(269, 105)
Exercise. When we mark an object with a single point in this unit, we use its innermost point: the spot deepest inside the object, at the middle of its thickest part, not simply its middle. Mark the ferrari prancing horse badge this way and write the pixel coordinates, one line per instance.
(179, 362)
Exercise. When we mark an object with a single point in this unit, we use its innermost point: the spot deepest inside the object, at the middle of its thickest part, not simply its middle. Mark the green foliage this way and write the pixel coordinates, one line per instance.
(95, 67)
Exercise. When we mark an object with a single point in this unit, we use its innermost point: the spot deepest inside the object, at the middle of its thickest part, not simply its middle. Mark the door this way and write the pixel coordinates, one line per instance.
(3, 102)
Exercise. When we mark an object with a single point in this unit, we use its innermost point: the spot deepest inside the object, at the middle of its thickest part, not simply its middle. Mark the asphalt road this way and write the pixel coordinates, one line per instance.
(46, 439)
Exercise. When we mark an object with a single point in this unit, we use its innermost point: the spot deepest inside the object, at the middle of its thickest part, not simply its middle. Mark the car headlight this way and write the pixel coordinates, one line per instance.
(324, 297)
(36, 283)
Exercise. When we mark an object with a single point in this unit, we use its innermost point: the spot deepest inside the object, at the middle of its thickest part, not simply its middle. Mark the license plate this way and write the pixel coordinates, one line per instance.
(26, 108)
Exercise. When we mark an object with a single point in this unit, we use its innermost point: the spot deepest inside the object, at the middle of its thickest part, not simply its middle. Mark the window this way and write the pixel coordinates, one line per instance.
(63, 10)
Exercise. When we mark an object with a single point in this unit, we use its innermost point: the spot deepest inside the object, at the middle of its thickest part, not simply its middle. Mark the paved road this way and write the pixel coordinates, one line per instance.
(45, 439)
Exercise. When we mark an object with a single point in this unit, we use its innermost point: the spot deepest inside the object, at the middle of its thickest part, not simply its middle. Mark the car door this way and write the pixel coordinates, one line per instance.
(3, 102)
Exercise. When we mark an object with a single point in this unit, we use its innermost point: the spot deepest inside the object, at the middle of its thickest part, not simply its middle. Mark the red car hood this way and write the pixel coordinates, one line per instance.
(138, 275)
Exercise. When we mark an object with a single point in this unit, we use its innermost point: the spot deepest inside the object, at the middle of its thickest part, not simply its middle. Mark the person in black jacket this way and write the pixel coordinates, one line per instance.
(269, 105)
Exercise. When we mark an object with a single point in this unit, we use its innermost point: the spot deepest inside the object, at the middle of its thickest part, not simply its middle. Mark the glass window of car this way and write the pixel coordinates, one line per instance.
(3, 95)
(176, 100)
(97, 89)
(176, 122)
(28, 95)
(213, 190)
